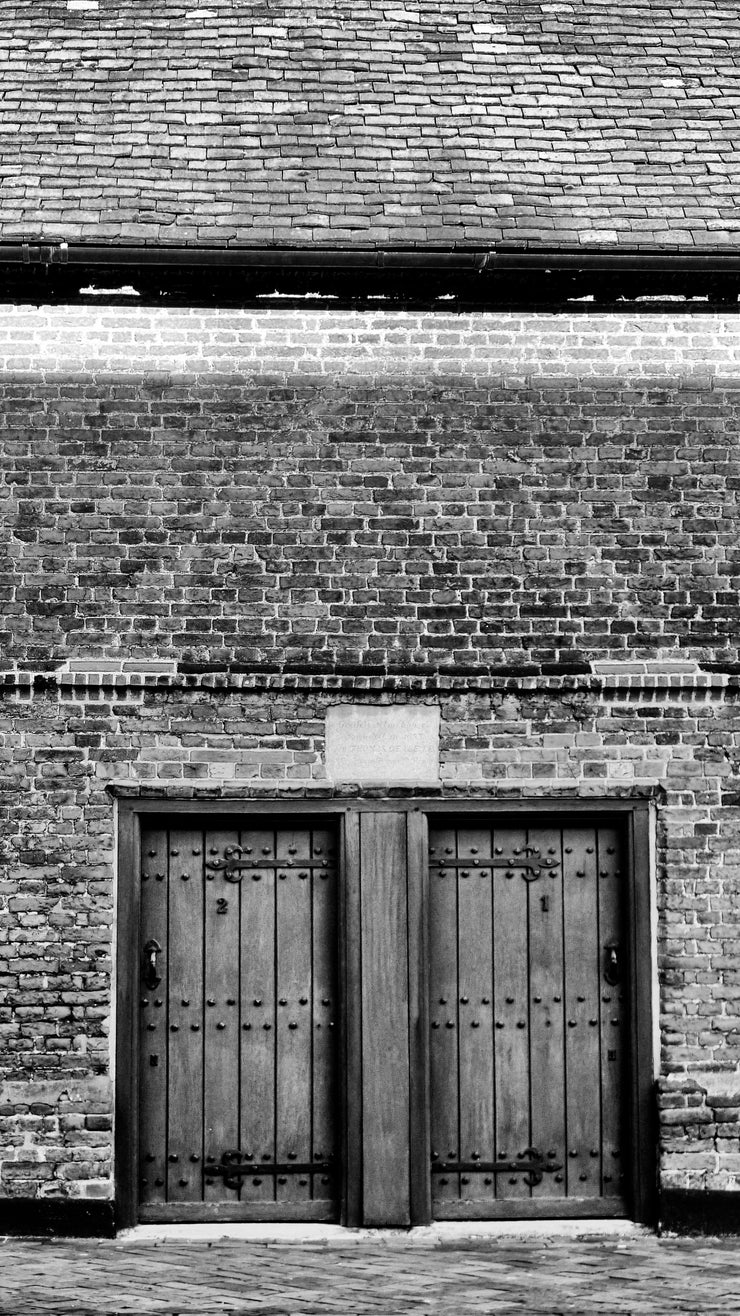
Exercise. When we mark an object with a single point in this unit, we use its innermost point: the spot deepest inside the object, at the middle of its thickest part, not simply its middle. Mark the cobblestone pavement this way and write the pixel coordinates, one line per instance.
(395, 1276)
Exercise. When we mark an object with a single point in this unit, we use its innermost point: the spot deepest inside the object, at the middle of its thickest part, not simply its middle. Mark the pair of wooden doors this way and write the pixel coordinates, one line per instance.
(522, 1027)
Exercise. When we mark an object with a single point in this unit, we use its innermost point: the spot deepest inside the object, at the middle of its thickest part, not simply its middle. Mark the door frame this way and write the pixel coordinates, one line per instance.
(635, 815)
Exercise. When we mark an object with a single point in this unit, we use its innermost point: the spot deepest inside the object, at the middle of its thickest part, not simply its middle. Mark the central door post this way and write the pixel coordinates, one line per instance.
(386, 1073)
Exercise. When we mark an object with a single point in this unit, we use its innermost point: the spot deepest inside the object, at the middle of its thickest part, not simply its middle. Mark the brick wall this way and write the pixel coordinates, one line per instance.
(390, 493)
(217, 524)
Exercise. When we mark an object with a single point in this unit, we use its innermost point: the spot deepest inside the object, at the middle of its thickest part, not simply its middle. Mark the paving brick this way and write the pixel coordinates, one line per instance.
(395, 1277)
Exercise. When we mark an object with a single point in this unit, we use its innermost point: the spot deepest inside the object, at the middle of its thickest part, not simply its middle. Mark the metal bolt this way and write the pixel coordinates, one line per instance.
(210, 1001)
(246, 1027)
(443, 1000)
(185, 1001)
(463, 1000)
(572, 1023)
(283, 1001)
(303, 1000)
(435, 1024)
(521, 1024)
(195, 1028)
(485, 1000)
(557, 999)
(182, 1182)
(449, 1024)
(292, 1025)
(581, 998)
(220, 1025)
(185, 877)
(325, 1000)
(267, 1027)
(583, 1177)
(173, 1157)
(537, 1000)
(151, 1028)
(256, 1001)
(230, 1000)
(475, 1024)
(174, 1028)
(510, 1000)
(194, 1157)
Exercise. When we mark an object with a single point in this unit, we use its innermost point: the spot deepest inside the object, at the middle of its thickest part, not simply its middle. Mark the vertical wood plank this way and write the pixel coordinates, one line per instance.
(351, 1033)
(443, 1049)
(153, 1020)
(475, 1017)
(128, 1019)
(418, 896)
(257, 1014)
(511, 1009)
(582, 982)
(385, 1041)
(324, 1012)
(293, 1016)
(185, 1016)
(637, 841)
(546, 1007)
(221, 1093)
(614, 1011)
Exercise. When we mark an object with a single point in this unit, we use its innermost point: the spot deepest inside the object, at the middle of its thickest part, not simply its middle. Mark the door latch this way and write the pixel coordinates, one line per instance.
(612, 966)
(152, 979)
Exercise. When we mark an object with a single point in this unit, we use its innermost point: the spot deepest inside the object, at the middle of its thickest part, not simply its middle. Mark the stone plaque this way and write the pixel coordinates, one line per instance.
(380, 743)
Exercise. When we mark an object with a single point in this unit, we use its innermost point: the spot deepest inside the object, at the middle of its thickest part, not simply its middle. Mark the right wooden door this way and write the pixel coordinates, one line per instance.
(528, 1018)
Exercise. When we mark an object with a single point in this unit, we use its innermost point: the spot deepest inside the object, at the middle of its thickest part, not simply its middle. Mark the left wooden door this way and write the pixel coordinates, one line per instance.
(238, 1006)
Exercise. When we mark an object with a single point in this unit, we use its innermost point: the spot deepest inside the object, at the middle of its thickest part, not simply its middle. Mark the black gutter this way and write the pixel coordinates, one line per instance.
(470, 261)
(43, 273)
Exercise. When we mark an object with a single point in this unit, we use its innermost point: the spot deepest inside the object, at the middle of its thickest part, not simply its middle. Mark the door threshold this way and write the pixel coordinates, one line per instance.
(435, 1235)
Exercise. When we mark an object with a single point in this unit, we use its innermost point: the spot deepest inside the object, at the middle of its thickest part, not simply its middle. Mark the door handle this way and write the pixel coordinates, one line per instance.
(151, 978)
(612, 965)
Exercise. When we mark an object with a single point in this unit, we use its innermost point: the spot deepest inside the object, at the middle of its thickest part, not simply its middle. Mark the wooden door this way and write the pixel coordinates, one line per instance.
(238, 1085)
(528, 1017)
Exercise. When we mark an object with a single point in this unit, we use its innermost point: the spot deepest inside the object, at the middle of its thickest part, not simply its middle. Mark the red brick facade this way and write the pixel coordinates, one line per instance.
(218, 524)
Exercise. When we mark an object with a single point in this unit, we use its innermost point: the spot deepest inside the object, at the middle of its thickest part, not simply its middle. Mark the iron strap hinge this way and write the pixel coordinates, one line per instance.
(233, 1168)
(232, 866)
(531, 1162)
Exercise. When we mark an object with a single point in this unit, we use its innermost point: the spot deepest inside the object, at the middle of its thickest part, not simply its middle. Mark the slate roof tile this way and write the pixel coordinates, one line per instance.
(588, 122)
